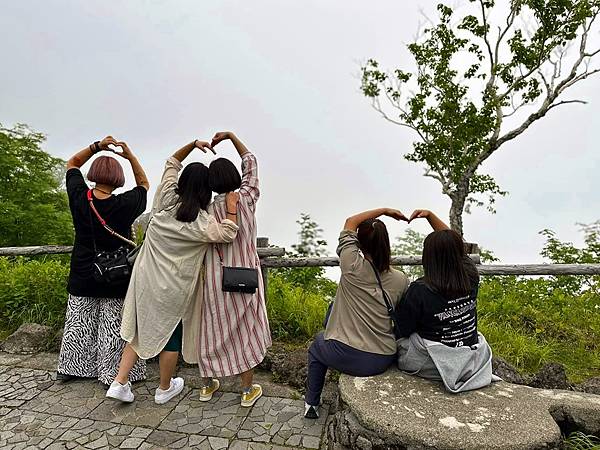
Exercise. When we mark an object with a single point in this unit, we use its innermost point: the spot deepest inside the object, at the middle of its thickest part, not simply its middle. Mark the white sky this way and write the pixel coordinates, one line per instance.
(284, 76)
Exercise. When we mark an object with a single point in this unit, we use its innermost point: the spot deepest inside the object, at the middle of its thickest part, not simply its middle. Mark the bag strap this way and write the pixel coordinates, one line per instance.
(103, 222)
(388, 303)
(219, 252)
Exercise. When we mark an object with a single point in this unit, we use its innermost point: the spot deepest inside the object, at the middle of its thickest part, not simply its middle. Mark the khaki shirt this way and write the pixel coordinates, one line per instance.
(359, 317)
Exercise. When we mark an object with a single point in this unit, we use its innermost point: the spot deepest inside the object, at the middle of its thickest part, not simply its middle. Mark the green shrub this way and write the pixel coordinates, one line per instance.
(530, 322)
(32, 291)
(295, 313)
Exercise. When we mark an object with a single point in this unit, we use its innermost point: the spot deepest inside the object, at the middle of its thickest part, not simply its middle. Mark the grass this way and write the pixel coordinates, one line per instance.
(581, 441)
(32, 291)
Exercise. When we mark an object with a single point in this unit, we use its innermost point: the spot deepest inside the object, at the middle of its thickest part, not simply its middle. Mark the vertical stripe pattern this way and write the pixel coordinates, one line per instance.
(234, 330)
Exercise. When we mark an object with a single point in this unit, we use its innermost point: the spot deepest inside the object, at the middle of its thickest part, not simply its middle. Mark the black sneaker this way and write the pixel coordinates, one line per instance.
(310, 411)
(64, 377)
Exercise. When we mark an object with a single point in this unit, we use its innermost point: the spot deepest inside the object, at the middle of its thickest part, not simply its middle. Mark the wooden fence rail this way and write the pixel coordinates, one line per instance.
(273, 258)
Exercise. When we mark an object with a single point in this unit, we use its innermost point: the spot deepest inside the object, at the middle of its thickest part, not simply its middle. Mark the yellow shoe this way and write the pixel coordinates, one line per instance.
(250, 398)
(206, 392)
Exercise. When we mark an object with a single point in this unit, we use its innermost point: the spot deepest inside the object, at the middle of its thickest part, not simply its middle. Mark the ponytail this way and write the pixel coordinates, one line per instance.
(375, 242)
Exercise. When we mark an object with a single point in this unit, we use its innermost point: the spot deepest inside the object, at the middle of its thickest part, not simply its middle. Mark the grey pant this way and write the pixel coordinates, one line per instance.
(92, 344)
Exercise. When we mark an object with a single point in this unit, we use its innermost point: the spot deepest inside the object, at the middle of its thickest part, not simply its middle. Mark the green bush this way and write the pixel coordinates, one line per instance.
(32, 291)
(531, 321)
(295, 313)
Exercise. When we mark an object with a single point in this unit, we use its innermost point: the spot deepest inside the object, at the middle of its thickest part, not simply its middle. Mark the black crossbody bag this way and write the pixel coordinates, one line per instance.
(388, 304)
(112, 267)
(238, 279)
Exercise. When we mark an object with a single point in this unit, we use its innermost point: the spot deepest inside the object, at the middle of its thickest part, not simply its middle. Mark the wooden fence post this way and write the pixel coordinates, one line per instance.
(471, 248)
(263, 242)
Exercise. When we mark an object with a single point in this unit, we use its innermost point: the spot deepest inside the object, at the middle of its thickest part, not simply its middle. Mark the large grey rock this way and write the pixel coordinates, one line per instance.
(551, 376)
(507, 372)
(398, 411)
(591, 385)
(28, 339)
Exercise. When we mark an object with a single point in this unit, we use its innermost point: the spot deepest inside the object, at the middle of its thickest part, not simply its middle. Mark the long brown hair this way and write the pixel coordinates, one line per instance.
(375, 242)
(444, 264)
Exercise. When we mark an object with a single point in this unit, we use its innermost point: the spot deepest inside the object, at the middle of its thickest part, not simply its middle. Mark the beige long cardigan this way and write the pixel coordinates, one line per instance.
(167, 273)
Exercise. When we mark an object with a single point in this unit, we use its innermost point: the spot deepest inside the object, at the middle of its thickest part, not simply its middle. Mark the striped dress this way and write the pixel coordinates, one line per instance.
(234, 332)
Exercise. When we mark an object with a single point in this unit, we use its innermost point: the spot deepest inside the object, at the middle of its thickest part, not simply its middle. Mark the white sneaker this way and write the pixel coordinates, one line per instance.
(120, 392)
(176, 387)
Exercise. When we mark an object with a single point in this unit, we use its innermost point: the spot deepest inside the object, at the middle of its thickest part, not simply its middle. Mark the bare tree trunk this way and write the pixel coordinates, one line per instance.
(459, 197)
(456, 210)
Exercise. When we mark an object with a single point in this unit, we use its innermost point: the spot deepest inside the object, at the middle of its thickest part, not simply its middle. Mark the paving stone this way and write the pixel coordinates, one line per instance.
(245, 445)
(221, 417)
(142, 412)
(217, 443)
(19, 385)
(87, 433)
(32, 429)
(76, 415)
(75, 399)
(41, 361)
(280, 421)
(12, 360)
(169, 440)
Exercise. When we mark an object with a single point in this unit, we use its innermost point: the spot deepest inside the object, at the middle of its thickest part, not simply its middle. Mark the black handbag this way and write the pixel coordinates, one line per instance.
(112, 267)
(238, 279)
(388, 304)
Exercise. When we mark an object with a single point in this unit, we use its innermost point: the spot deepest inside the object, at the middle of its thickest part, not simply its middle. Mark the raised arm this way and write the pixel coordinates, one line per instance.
(228, 135)
(165, 195)
(354, 221)
(436, 223)
(138, 171)
(184, 151)
(83, 156)
(249, 188)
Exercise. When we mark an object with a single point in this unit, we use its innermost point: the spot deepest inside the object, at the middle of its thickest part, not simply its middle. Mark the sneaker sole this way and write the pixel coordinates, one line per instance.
(170, 397)
(209, 398)
(119, 399)
(249, 404)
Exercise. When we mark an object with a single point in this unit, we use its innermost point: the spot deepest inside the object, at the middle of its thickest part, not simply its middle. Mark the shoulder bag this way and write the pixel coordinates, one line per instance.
(112, 267)
(238, 279)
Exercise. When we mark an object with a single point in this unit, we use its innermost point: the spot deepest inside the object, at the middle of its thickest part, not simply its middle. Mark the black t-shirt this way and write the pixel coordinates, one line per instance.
(453, 322)
(119, 212)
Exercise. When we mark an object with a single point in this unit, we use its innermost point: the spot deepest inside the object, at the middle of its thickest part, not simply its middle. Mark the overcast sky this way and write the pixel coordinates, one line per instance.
(283, 75)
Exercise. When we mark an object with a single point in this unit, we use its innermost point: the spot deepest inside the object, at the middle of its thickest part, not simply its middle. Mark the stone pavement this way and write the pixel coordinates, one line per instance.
(36, 411)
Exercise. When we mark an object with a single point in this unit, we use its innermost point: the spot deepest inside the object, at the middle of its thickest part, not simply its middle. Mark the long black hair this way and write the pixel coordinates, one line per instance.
(223, 176)
(445, 264)
(375, 242)
(194, 192)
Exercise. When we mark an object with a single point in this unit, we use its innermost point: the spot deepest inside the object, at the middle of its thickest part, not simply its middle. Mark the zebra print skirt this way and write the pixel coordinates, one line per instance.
(92, 345)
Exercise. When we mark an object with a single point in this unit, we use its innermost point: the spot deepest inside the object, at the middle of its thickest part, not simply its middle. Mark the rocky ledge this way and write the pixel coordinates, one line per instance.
(398, 411)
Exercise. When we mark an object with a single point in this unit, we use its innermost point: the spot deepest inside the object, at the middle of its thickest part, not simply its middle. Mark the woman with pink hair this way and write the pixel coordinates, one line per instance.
(91, 346)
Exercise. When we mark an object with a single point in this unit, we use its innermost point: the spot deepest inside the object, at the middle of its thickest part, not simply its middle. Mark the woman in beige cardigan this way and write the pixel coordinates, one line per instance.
(166, 274)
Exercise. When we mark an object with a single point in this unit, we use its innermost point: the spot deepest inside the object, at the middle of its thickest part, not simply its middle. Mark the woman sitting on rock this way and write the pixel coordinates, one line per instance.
(359, 338)
(437, 317)
(167, 275)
